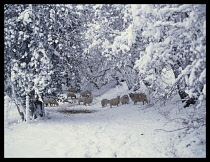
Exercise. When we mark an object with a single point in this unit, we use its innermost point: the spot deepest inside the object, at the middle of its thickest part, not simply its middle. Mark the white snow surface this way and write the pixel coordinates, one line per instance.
(124, 131)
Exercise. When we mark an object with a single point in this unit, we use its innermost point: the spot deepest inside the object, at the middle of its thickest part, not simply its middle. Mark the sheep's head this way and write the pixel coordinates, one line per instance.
(126, 96)
(131, 94)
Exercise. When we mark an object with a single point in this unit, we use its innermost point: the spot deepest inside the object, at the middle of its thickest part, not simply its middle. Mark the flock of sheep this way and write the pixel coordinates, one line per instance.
(135, 97)
(86, 98)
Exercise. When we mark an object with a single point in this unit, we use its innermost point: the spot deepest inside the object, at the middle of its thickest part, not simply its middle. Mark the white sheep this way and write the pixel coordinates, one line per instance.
(138, 97)
(72, 95)
(104, 102)
(85, 93)
(88, 100)
(124, 99)
(50, 101)
(114, 101)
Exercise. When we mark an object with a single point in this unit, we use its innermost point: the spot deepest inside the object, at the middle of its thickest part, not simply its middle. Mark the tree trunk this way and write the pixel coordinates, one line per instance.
(6, 108)
(183, 95)
(27, 109)
(21, 113)
(39, 109)
(18, 103)
(36, 107)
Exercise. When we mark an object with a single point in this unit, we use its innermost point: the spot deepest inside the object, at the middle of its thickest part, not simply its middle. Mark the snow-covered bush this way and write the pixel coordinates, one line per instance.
(176, 41)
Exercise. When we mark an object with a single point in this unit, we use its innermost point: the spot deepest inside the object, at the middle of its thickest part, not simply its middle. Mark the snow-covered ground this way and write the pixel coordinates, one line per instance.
(92, 131)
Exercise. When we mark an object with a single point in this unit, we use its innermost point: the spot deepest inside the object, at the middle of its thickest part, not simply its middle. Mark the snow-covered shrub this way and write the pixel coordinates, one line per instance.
(176, 41)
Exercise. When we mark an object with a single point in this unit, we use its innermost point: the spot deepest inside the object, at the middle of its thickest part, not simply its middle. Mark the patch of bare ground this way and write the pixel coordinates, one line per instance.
(76, 111)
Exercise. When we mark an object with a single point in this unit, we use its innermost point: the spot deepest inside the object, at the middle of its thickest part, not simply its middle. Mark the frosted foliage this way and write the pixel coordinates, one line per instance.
(25, 16)
(202, 77)
(136, 13)
(146, 9)
(164, 29)
(204, 89)
(124, 41)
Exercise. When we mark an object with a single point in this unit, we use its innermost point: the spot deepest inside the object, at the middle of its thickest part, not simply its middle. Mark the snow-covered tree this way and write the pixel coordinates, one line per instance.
(27, 63)
(175, 38)
(108, 64)
(36, 48)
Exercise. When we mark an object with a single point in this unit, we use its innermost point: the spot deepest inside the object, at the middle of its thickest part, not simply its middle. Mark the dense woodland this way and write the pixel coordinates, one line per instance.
(51, 47)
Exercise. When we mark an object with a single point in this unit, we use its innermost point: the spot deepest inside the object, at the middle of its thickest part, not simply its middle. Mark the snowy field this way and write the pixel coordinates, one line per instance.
(92, 131)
